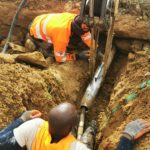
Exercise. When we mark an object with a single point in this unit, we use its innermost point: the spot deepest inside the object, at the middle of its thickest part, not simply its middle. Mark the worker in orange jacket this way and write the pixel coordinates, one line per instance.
(58, 29)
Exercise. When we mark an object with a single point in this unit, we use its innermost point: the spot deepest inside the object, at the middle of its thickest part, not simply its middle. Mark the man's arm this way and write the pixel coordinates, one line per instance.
(60, 52)
(25, 133)
(133, 131)
(61, 55)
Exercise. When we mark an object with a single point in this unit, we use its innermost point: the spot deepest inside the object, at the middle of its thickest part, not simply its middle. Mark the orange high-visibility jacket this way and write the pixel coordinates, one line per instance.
(56, 29)
(43, 140)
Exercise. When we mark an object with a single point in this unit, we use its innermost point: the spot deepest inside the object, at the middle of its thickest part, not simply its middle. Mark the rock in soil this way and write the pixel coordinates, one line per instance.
(35, 58)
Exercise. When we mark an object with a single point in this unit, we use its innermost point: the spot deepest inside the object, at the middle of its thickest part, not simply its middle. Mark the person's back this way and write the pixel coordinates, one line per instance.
(53, 28)
(44, 140)
(36, 131)
(54, 134)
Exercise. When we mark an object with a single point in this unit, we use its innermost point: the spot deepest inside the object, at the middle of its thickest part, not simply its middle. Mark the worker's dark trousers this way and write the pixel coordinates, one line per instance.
(7, 139)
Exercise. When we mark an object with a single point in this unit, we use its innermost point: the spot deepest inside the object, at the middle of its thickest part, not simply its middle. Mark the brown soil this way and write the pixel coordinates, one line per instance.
(36, 5)
(31, 9)
(135, 72)
(26, 87)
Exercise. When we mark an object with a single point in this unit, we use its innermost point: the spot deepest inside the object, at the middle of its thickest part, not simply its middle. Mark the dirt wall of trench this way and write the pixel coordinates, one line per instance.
(30, 10)
(132, 82)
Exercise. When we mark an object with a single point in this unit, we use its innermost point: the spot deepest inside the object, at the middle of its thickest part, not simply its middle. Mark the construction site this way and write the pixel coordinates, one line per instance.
(116, 83)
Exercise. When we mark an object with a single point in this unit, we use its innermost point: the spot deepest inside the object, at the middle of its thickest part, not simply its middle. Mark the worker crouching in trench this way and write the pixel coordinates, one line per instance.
(61, 31)
(33, 133)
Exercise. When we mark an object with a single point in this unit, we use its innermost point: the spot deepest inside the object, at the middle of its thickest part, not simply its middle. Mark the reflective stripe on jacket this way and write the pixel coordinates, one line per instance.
(86, 38)
(43, 140)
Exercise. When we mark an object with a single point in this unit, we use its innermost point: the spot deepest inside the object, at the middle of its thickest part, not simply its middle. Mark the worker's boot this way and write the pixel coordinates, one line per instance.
(88, 137)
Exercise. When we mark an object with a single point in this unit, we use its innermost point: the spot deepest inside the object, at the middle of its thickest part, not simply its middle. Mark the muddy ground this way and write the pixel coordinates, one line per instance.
(24, 86)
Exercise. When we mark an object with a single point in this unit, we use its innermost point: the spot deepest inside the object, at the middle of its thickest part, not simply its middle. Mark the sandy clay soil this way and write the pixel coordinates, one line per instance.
(23, 86)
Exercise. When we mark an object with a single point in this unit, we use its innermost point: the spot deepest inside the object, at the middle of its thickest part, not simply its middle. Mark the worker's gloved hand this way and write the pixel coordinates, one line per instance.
(31, 114)
(84, 55)
(136, 129)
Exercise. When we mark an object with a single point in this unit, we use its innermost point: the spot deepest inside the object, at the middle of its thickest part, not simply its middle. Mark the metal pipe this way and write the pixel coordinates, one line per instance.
(81, 123)
(12, 25)
(88, 98)
(93, 88)
(108, 5)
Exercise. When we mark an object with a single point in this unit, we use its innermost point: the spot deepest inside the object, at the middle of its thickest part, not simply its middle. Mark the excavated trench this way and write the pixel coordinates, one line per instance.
(100, 105)
(122, 98)
(128, 101)
(24, 86)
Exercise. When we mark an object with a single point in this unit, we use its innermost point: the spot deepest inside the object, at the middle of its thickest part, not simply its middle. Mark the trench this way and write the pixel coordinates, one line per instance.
(103, 98)
(98, 106)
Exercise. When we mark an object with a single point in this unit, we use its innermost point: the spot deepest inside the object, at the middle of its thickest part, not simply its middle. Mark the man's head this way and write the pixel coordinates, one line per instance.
(62, 119)
(78, 26)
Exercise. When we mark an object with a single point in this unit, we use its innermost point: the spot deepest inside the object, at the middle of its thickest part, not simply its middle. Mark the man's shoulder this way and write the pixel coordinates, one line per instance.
(34, 123)
(37, 120)
(26, 132)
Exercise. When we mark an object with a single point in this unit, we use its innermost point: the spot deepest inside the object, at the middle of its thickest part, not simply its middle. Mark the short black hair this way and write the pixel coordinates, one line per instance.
(76, 26)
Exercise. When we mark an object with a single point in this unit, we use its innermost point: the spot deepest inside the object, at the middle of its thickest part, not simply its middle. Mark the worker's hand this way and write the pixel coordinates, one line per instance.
(83, 55)
(136, 129)
(31, 114)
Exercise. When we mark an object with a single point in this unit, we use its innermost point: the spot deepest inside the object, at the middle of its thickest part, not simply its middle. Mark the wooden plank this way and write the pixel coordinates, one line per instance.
(108, 47)
(108, 50)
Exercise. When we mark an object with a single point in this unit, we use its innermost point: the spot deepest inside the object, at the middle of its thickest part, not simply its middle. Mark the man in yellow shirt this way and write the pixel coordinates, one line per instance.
(38, 134)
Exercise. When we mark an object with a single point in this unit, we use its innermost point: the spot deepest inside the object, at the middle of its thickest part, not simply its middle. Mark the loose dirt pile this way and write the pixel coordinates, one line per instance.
(129, 101)
(23, 87)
